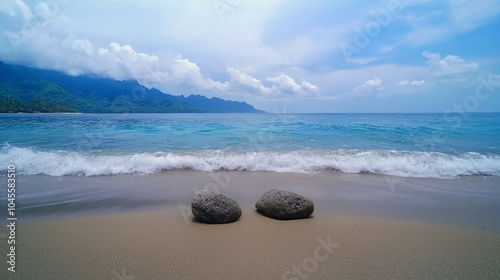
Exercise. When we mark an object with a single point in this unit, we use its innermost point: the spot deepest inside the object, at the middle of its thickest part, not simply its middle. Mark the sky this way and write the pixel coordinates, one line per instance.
(282, 56)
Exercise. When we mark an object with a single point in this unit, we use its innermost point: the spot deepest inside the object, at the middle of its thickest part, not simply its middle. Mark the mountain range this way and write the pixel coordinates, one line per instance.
(25, 89)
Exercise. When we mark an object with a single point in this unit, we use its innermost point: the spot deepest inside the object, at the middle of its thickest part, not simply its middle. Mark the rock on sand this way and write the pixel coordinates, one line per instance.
(284, 205)
(214, 208)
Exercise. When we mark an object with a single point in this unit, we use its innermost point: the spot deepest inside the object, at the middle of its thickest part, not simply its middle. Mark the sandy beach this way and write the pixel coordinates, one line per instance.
(364, 227)
(159, 244)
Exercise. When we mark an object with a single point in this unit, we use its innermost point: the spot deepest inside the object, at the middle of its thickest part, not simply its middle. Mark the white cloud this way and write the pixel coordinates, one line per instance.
(370, 86)
(123, 62)
(15, 7)
(285, 82)
(79, 45)
(244, 81)
(185, 71)
(51, 43)
(363, 60)
(448, 65)
(309, 87)
(417, 83)
(288, 86)
(374, 82)
(439, 21)
(403, 83)
(279, 86)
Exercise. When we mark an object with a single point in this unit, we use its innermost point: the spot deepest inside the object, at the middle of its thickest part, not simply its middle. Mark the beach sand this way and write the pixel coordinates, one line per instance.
(162, 244)
(364, 227)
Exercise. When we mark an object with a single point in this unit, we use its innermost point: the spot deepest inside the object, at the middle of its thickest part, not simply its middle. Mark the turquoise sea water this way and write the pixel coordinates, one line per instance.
(407, 145)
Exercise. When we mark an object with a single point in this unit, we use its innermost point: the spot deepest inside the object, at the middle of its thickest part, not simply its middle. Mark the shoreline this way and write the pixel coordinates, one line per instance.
(468, 202)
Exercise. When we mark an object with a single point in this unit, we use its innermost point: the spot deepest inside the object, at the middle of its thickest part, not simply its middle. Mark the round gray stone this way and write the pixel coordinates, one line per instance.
(214, 208)
(284, 205)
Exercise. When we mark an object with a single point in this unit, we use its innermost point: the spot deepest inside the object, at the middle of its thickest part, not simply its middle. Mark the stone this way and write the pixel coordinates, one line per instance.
(284, 205)
(214, 208)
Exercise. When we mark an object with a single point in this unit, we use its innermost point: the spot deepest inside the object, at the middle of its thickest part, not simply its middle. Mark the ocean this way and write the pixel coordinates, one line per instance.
(432, 167)
(445, 146)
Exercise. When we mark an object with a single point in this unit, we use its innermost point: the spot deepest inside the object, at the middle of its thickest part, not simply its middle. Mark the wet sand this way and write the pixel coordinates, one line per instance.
(472, 201)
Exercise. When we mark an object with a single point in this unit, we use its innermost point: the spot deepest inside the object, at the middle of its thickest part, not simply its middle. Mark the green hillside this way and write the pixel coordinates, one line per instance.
(24, 89)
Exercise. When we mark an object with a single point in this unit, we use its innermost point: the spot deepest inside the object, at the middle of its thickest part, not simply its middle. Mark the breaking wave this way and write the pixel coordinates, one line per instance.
(30, 161)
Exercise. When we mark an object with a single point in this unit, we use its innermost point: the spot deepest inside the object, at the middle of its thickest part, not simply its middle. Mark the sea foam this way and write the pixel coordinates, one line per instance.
(415, 164)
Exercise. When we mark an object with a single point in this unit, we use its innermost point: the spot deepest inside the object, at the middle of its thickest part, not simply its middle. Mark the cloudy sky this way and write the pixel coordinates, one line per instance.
(278, 55)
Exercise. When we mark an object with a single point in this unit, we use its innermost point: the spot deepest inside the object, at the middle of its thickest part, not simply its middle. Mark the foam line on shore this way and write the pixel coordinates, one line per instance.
(413, 164)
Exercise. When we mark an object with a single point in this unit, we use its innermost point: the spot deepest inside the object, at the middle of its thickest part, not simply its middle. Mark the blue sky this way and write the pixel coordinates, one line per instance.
(280, 56)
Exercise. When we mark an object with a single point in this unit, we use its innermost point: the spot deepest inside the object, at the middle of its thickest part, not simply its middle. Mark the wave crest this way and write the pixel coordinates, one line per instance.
(397, 163)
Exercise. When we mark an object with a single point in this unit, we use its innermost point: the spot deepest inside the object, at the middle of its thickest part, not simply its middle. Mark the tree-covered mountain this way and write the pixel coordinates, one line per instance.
(24, 89)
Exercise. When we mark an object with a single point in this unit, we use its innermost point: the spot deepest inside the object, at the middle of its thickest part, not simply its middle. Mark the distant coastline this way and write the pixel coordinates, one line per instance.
(31, 90)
